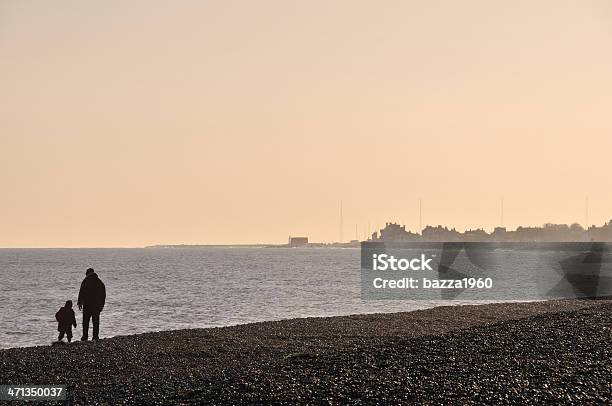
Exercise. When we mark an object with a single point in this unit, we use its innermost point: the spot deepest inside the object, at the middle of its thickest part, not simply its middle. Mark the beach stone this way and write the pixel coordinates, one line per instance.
(557, 352)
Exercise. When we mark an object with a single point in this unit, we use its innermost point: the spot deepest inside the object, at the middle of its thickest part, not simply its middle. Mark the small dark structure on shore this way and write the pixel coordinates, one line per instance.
(298, 241)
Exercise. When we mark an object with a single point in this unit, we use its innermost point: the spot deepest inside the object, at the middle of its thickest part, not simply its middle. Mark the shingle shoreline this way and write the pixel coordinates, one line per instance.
(539, 352)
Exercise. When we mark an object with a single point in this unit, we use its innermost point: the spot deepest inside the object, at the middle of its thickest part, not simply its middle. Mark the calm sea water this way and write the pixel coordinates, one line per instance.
(161, 289)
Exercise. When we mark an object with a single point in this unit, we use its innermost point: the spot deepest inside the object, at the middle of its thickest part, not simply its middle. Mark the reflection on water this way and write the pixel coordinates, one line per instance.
(162, 289)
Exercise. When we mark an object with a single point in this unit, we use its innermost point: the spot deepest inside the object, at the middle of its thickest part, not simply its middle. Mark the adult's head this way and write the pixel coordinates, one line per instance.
(89, 271)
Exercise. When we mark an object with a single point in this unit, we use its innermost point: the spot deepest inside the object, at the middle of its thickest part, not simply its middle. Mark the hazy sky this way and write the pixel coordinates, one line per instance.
(127, 123)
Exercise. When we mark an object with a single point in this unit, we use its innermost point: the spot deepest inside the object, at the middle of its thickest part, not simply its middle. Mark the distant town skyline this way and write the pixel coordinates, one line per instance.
(126, 124)
(549, 232)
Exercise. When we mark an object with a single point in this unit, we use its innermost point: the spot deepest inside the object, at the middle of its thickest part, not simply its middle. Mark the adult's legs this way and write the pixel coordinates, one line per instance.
(96, 325)
(86, 316)
(60, 336)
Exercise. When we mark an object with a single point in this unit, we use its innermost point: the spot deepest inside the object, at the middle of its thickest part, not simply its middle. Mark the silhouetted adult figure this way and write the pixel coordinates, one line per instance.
(91, 301)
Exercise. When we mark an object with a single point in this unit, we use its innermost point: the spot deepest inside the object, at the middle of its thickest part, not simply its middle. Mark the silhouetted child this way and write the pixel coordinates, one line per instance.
(65, 320)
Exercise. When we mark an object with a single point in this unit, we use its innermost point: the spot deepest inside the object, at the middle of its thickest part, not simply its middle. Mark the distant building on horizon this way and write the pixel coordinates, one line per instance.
(298, 241)
(395, 232)
(547, 233)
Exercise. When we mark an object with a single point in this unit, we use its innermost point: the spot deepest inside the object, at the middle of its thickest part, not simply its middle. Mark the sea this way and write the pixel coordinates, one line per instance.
(154, 289)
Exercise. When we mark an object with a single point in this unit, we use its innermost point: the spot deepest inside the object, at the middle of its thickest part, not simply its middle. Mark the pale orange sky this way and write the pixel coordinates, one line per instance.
(128, 123)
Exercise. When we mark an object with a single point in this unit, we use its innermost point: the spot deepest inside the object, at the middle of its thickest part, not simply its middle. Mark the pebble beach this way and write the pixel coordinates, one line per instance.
(538, 352)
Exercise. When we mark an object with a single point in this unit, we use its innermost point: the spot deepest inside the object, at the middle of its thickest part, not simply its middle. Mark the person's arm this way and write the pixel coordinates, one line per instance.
(81, 296)
(102, 295)
(73, 319)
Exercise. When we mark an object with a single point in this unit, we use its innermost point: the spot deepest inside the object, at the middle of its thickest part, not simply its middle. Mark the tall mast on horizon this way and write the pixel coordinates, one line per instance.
(420, 216)
(586, 213)
(340, 221)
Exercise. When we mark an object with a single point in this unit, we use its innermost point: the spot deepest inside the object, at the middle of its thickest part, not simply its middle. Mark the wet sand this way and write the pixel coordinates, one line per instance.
(541, 352)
